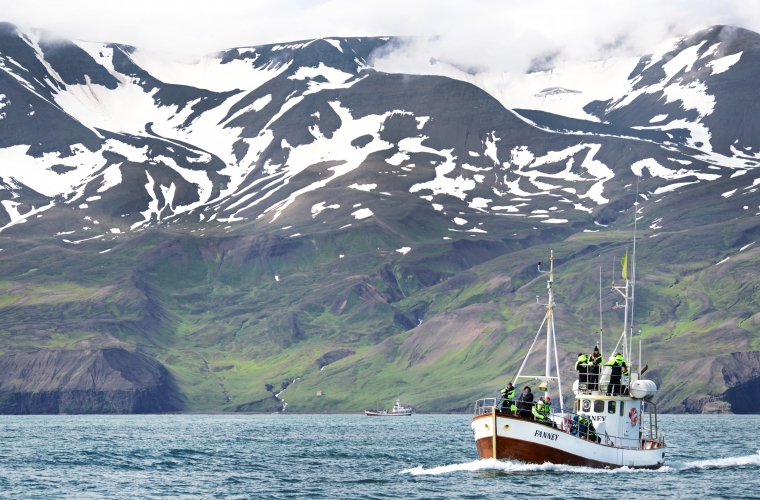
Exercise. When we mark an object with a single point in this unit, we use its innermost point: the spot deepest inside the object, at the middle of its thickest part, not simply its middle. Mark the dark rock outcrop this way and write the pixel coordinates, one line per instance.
(738, 374)
(333, 356)
(85, 381)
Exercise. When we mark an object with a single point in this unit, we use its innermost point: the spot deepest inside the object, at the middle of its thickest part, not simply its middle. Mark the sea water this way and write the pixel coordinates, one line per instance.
(344, 456)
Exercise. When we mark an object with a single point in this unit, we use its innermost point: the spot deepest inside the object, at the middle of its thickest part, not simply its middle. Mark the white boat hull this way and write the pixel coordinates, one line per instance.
(387, 414)
(531, 442)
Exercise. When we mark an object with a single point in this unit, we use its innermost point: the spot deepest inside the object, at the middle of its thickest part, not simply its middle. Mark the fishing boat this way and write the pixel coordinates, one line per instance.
(396, 411)
(604, 428)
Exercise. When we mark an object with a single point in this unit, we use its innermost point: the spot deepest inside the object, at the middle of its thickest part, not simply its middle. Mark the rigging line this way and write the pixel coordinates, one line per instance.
(556, 359)
(519, 372)
(617, 346)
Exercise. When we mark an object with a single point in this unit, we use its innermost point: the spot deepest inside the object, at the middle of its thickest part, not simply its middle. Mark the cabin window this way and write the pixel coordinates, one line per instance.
(611, 407)
(577, 406)
(622, 408)
(586, 405)
(598, 406)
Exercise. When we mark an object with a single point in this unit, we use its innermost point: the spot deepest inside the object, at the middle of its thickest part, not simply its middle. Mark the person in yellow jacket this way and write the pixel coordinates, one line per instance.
(581, 366)
(508, 399)
(619, 367)
(595, 366)
(541, 411)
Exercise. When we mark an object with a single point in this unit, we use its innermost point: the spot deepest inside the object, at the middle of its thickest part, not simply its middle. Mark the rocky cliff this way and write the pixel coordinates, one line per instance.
(85, 381)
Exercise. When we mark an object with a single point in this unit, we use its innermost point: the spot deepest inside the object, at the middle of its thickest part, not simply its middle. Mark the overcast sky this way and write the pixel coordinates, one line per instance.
(501, 35)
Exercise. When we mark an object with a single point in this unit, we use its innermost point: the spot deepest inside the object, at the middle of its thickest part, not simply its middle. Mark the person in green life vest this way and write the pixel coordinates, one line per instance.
(508, 399)
(581, 366)
(595, 366)
(541, 411)
(586, 428)
(619, 367)
(548, 411)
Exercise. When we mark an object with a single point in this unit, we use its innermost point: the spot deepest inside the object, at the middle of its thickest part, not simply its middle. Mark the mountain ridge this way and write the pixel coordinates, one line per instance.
(299, 203)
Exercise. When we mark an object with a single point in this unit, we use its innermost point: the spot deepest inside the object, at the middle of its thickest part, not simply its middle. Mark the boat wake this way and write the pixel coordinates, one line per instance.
(518, 467)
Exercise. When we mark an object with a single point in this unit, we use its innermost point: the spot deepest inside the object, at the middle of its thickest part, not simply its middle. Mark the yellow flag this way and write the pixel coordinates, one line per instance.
(624, 264)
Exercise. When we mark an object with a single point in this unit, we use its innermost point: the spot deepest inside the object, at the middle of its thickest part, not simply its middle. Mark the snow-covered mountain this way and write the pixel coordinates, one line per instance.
(302, 199)
(251, 134)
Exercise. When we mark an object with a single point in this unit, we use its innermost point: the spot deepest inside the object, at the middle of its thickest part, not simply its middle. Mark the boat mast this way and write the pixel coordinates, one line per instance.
(633, 266)
(550, 338)
(601, 330)
(550, 323)
(623, 290)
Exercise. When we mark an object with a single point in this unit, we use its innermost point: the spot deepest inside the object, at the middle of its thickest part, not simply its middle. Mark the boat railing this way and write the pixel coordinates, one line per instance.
(569, 422)
(485, 405)
(598, 380)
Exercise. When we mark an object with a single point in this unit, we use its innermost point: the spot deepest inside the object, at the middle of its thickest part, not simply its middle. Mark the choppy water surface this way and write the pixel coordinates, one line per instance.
(343, 456)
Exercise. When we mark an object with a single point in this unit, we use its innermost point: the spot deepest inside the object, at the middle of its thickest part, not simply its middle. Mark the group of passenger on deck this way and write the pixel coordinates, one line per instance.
(541, 411)
(590, 367)
(524, 406)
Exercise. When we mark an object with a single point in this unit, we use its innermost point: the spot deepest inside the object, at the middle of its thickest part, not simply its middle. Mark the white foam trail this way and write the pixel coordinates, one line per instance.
(514, 467)
(724, 462)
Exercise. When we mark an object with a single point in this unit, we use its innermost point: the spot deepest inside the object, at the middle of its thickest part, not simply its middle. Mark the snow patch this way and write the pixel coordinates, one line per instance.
(255, 106)
(320, 207)
(337, 148)
(362, 213)
(397, 159)
(336, 79)
(672, 187)
(508, 208)
(724, 63)
(363, 187)
(657, 170)
(334, 43)
(479, 203)
(441, 184)
(489, 147)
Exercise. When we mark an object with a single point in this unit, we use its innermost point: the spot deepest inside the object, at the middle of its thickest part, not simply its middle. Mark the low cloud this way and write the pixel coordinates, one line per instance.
(474, 36)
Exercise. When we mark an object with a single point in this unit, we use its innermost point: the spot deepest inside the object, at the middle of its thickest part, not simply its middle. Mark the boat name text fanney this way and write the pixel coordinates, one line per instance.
(547, 435)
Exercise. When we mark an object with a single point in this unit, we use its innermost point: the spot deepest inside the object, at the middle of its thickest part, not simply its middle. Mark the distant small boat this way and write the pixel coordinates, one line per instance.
(396, 411)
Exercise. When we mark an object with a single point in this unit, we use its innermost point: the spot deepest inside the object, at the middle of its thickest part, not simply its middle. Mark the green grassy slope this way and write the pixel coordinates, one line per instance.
(238, 318)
